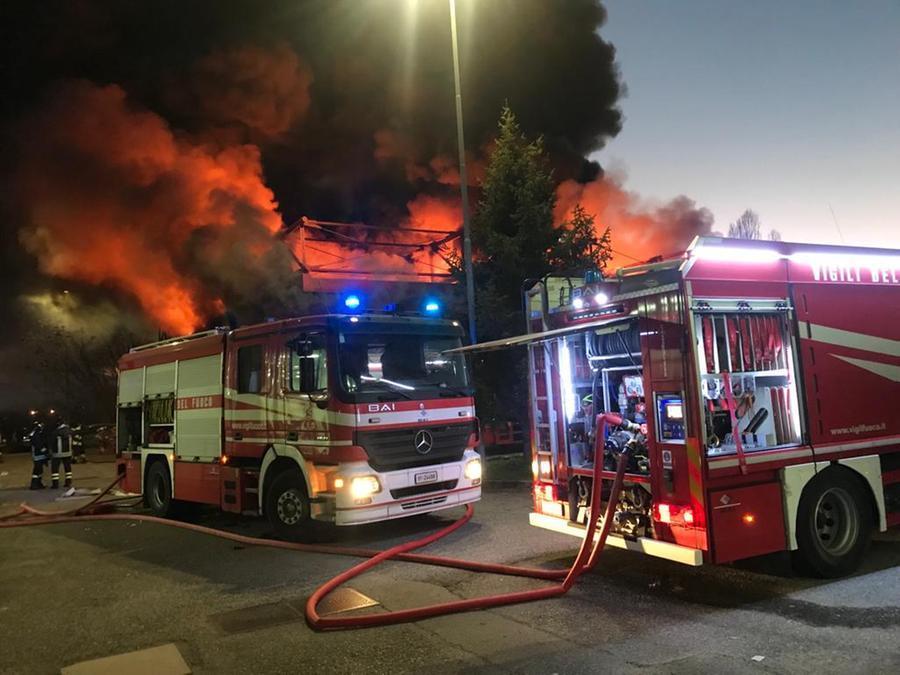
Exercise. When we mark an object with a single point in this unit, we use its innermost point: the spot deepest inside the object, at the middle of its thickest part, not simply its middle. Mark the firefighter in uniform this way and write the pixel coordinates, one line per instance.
(78, 445)
(38, 441)
(61, 449)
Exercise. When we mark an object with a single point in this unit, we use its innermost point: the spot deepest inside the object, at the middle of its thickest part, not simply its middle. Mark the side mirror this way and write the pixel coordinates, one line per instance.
(302, 346)
(308, 384)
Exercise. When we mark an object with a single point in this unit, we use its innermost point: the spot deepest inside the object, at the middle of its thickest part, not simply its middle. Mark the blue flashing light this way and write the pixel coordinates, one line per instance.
(352, 302)
(432, 307)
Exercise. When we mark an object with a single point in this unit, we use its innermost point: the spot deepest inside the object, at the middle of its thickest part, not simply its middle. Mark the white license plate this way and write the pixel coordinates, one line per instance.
(426, 477)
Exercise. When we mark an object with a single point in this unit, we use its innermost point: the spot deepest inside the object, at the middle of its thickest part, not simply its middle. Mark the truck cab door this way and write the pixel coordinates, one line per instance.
(305, 387)
(248, 392)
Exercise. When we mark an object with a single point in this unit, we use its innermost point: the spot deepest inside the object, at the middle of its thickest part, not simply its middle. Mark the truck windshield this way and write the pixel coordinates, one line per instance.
(394, 365)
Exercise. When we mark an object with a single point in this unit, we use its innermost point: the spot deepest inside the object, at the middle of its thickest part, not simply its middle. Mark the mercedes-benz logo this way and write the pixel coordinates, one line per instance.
(423, 442)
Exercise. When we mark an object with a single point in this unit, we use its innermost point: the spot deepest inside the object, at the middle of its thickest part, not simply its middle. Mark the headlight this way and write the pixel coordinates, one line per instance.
(364, 486)
(473, 469)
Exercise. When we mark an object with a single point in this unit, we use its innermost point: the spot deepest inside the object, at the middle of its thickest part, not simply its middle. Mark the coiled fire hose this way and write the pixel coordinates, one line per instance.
(585, 561)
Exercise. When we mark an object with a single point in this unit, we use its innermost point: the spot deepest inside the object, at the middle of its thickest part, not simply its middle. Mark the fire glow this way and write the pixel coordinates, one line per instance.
(639, 231)
(185, 225)
(116, 198)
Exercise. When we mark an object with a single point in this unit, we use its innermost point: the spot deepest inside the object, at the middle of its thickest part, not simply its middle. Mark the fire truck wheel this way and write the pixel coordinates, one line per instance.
(158, 490)
(834, 524)
(287, 506)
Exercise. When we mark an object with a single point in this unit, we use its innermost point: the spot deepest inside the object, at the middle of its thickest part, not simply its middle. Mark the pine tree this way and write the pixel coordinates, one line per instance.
(512, 230)
(578, 247)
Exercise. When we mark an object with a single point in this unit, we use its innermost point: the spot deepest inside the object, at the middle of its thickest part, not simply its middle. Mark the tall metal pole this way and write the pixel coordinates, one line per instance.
(463, 181)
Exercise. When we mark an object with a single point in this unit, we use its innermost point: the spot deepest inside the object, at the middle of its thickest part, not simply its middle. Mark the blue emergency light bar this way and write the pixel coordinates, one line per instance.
(353, 303)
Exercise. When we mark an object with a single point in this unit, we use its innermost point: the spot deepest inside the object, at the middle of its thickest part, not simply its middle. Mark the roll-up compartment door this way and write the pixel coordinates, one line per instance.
(198, 414)
(131, 386)
(160, 379)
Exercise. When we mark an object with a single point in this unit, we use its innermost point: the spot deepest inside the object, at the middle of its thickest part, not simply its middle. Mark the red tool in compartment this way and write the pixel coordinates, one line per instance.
(708, 343)
(731, 324)
(746, 342)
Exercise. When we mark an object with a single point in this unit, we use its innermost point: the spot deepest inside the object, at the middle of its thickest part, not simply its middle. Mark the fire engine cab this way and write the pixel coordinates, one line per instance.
(344, 418)
(758, 383)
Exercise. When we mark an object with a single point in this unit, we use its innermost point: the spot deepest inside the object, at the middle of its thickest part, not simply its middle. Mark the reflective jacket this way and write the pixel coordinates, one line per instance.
(61, 443)
(38, 441)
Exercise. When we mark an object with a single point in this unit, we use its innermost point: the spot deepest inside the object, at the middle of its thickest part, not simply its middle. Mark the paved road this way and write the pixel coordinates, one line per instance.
(125, 586)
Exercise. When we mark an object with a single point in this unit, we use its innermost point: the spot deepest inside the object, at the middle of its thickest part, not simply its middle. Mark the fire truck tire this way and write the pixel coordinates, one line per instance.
(158, 490)
(834, 524)
(287, 506)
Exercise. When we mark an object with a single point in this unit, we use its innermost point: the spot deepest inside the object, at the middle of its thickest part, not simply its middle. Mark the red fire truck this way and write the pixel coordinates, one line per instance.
(759, 384)
(341, 418)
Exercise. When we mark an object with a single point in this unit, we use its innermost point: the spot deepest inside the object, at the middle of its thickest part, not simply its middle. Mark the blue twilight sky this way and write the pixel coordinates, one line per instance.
(785, 107)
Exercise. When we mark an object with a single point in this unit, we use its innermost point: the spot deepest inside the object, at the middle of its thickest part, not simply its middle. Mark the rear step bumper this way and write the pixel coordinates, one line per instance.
(658, 549)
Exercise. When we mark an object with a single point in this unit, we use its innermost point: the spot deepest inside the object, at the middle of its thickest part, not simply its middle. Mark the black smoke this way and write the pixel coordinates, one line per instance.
(375, 127)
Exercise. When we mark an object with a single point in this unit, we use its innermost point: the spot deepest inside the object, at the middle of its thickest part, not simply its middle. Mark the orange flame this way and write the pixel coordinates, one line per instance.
(114, 198)
(639, 230)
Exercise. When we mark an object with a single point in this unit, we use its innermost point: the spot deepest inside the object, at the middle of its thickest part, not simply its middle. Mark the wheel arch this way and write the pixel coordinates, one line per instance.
(276, 459)
(796, 478)
(868, 471)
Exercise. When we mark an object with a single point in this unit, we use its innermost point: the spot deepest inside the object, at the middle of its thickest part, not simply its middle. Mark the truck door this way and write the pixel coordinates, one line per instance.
(674, 457)
(305, 387)
(248, 396)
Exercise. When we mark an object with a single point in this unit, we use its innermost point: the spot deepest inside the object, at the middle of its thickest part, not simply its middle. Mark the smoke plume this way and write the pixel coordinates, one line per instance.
(640, 230)
(256, 93)
(114, 197)
(161, 150)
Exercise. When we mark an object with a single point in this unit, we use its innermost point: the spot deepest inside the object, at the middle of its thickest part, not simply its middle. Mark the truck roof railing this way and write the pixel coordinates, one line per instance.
(175, 340)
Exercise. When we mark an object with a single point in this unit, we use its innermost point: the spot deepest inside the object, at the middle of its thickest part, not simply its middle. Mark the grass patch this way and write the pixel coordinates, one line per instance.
(508, 467)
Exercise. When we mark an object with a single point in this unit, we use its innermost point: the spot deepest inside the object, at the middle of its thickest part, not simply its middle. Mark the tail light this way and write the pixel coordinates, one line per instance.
(545, 492)
(664, 512)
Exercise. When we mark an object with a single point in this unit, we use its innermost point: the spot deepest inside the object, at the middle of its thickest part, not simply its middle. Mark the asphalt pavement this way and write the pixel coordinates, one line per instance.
(75, 592)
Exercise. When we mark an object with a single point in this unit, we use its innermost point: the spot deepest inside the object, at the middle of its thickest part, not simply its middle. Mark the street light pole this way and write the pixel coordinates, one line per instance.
(463, 181)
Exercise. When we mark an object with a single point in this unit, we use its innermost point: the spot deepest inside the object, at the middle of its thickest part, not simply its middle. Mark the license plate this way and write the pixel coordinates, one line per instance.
(426, 477)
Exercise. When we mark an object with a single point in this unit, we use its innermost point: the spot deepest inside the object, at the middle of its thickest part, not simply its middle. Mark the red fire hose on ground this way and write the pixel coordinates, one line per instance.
(585, 561)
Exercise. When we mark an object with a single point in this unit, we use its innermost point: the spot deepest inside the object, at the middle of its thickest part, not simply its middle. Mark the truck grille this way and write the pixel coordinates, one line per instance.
(414, 490)
(395, 449)
(428, 501)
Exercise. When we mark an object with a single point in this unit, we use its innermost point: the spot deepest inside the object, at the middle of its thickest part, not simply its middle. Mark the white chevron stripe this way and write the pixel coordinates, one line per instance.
(846, 338)
(885, 370)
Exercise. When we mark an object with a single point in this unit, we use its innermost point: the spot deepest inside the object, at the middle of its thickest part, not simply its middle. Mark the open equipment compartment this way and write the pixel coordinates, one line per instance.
(747, 374)
(601, 371)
